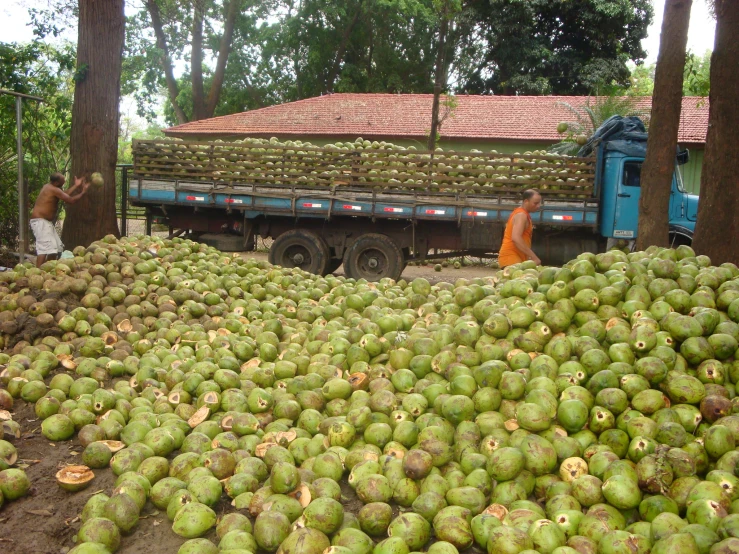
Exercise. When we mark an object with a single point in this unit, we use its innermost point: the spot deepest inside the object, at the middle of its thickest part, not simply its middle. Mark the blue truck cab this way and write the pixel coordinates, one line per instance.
(618, 183)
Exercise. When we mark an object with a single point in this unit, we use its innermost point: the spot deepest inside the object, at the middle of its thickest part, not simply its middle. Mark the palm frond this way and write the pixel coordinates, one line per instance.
(589, 117)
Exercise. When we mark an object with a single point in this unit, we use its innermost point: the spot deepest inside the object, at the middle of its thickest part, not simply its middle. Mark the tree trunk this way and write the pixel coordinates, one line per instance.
(94, 134)
(438, 77)
(336, 67)
(659, 163)
(718, 210)
(196, 64)
(232, 11)
(172, 88)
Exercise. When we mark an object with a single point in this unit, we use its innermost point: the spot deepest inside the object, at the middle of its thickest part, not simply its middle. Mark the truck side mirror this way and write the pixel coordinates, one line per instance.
(683, 156)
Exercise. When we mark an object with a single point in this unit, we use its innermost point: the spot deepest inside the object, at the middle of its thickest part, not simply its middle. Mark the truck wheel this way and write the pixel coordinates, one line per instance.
(302, 249)
(372, 257)
(678, 238)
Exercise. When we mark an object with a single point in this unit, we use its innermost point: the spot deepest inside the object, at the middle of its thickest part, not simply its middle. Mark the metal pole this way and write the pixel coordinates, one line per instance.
(22, 189)
(22, 196)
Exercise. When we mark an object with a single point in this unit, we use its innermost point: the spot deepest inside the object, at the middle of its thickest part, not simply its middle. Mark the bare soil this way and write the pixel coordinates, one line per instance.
(447, 274)
(47, 520)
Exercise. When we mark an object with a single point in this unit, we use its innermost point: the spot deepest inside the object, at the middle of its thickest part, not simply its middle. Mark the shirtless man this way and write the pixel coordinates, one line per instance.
(48, 243)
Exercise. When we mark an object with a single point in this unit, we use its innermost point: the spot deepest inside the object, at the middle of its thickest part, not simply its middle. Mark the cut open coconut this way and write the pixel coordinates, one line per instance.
(74, 478)
(199, 417)
(125, 326)
(110, 338)
(227, 422)
(11, 430)
(114, 446)
(302, 494)
(497, 510)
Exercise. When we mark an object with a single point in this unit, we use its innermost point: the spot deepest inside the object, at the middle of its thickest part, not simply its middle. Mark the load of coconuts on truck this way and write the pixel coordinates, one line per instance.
(375, 206)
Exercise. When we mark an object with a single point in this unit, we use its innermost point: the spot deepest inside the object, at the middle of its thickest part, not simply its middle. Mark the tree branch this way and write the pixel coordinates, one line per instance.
(342, 49)
(438, 77)
(172, 88)
(196, 60)
(234, 8)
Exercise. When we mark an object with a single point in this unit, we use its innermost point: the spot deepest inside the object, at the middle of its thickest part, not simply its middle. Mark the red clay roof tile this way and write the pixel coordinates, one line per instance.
(395, 116)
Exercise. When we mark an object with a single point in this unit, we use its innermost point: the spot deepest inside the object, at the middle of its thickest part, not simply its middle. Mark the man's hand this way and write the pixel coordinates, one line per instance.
(536, 259)
(78, 182)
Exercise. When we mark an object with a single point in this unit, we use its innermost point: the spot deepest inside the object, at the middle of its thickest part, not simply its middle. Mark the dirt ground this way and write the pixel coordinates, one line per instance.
(448, 274)
(47, 521)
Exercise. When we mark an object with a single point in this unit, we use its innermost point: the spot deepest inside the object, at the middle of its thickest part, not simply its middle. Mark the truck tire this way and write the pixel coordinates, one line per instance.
(680, 236)
(372, 257)
(302, 249)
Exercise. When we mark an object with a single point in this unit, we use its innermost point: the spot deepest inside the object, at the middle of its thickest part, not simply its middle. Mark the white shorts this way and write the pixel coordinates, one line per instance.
(47, 239)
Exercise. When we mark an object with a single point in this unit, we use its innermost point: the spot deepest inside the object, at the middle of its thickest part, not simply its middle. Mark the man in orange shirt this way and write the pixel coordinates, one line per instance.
(516, 247)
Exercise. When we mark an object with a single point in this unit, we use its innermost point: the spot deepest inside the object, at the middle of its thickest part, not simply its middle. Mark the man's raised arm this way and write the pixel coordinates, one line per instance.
(67, 196)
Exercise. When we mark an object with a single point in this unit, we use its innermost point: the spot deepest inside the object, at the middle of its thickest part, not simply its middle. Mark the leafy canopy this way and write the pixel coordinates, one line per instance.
(45, 71)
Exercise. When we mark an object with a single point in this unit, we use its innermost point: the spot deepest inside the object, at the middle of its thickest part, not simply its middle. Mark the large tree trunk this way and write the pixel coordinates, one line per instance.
(94, 135)
(659, 164)
(717, 231)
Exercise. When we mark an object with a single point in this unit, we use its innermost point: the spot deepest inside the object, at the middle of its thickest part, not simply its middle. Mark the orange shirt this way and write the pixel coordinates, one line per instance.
(509, 254)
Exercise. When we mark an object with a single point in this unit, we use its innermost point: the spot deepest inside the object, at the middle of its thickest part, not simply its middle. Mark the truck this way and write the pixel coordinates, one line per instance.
(373, 207)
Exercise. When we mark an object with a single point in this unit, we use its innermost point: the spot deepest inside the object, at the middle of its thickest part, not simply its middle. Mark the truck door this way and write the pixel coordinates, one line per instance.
(626, 218)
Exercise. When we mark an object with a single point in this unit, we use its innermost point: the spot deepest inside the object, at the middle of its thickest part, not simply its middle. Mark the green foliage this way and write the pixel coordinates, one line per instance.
(641, 80)
(287, 50)
(143, 74)
(697, 77)
(39, 70)
(591, 116)
(390, 48)
(552, 46)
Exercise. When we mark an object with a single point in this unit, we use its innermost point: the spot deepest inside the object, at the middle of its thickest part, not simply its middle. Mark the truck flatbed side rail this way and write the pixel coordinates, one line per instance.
(256, 200)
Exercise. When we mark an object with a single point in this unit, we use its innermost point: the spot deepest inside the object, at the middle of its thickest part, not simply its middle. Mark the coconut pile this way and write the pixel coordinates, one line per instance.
(363, 163)
(582, 409)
